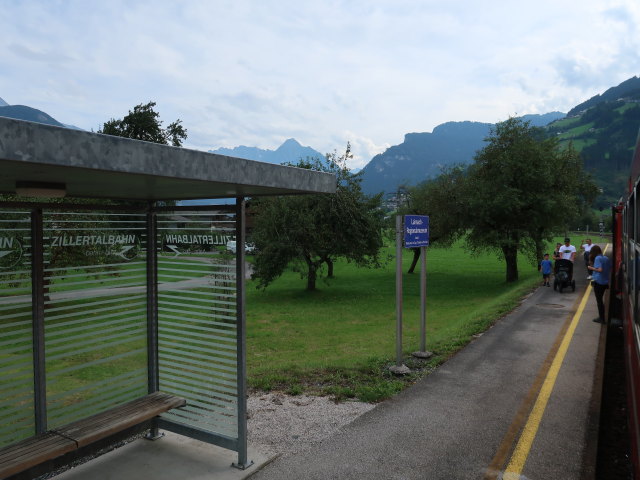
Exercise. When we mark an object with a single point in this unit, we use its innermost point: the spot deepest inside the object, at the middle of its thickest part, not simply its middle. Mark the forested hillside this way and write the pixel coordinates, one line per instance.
(604, 130)
(422, 155)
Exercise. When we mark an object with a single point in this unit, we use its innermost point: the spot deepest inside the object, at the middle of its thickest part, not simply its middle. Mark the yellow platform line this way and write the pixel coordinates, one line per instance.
(521, 452)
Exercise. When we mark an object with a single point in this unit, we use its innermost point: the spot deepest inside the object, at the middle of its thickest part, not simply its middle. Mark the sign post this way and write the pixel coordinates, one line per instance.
(399, 368)
(423, 352)
(417, 235)
(415, 231)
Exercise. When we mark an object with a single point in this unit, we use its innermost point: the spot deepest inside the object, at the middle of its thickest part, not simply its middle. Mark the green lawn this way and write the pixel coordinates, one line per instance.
(341, 338)
(579, 143)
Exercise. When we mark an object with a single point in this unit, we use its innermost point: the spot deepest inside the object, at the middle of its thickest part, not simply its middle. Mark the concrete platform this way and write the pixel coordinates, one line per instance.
(169, 458)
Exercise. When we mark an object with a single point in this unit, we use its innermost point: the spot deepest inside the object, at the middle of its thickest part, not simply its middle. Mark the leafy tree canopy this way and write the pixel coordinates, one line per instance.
(308, 231)
(143, 123)
(521, 188)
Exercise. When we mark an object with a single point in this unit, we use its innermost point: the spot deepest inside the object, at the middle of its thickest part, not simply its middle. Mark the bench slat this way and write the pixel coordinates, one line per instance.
(32, 451)
(40, 448)
(102, 425)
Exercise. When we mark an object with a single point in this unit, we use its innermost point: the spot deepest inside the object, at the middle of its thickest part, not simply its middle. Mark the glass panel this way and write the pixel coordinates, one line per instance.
(634, 275)
(16, 346)
(197, 318)
(95, 283)
(631, 217)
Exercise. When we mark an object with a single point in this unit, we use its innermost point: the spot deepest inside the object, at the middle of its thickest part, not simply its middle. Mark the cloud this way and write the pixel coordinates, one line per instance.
(257, 73)
(48, 56)
(362, 148)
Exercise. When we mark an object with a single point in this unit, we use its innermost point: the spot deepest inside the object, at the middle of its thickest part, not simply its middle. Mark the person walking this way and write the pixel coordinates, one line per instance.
(587, 248)
(601, 270)
(546, 268)
(556, 252)
(567, 251)
(556, 256)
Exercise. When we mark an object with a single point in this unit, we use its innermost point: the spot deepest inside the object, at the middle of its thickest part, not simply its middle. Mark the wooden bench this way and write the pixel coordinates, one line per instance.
(33, 451)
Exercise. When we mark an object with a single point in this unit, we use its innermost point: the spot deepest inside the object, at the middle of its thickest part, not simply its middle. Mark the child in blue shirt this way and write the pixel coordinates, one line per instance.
(546, 267)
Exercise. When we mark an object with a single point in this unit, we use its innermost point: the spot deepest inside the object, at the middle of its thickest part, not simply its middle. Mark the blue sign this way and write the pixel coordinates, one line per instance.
(416, 231)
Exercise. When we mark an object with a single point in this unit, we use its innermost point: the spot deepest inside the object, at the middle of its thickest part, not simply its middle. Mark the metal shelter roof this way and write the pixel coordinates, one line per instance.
(103, 166)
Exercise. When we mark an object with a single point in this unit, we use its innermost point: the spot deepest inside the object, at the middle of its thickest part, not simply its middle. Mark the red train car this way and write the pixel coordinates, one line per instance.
(624, 295)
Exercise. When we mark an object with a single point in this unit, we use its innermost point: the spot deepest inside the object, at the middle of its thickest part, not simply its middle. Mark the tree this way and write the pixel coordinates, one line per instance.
(144, 124)
(308, 231)
(520, 189)
(443, 200)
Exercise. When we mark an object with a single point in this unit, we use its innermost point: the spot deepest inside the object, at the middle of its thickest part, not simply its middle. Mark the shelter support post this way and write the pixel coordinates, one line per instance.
(243, 461)
(37, 312)
(152, 314)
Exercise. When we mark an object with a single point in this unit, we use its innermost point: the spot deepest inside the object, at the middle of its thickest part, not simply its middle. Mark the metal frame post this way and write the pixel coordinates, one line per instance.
(423, 299)
(241, 341)
(399, 368)
(37, 313)
(152, 303)
(153, 370)
(423, 353)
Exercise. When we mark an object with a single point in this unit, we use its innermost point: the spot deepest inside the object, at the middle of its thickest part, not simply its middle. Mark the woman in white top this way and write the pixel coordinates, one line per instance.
(587, 248)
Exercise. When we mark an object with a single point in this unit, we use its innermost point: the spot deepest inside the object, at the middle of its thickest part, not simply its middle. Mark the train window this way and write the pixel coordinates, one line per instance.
(625, 223)
(634, 216)
(631, 217)
(635, 284)
(630, 249)
(631, 272)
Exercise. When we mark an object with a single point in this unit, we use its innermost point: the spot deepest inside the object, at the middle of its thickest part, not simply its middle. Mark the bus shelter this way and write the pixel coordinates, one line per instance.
(123, 294)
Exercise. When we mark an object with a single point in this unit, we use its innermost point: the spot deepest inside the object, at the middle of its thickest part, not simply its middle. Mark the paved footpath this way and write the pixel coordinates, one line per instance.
(518, 398)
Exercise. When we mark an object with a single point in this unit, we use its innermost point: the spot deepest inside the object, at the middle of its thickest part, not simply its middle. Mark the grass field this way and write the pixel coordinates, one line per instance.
(566, 122)
(340, 339)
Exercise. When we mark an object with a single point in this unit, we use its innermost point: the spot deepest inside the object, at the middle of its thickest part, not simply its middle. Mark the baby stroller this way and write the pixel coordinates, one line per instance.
(564, 275)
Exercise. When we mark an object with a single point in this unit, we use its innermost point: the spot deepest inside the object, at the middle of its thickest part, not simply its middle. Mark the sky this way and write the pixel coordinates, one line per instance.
(256, 73)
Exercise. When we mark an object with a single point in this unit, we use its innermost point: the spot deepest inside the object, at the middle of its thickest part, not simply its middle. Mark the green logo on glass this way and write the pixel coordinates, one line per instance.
(123, 246)
(10, 252)
(129, 251)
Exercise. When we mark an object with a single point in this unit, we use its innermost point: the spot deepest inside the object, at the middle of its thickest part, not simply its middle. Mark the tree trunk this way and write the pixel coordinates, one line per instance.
(414, 262)
(312, 272)
(511, 259)
(311, 277)
(539, 252)
(329, 263)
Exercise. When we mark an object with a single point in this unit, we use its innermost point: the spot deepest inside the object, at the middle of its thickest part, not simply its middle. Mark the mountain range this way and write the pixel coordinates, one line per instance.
(22, 112)
(289, 152)
(422, 155)
(603, 129)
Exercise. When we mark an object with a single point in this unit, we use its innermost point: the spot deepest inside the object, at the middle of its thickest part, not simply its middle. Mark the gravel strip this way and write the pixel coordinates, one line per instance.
(277, 424)
(280, 424)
